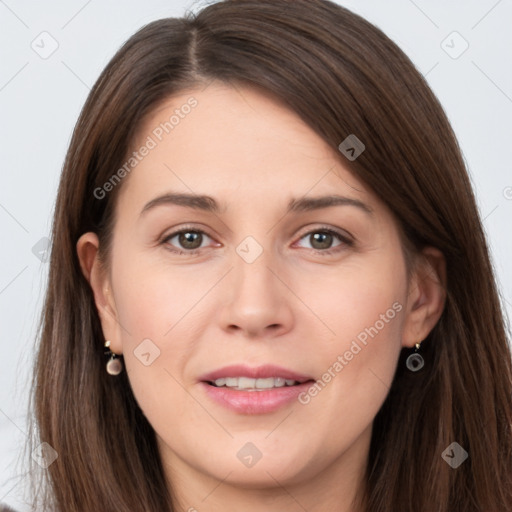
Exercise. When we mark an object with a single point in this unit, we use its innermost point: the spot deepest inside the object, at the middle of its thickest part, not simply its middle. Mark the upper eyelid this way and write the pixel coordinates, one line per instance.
(337, 231)
(185, 229)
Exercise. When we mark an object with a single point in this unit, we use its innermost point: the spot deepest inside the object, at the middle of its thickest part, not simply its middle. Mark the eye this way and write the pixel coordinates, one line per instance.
(190, 240)
(321, 240)
(187, 238)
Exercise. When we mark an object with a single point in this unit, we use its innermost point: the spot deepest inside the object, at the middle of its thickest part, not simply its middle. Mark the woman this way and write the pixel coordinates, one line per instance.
(367, 370)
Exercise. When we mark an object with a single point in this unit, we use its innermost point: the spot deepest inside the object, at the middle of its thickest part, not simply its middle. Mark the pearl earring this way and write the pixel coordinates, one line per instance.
(114, 364)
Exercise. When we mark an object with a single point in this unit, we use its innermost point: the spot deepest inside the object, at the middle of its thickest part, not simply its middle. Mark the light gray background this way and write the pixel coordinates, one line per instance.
(40, 100)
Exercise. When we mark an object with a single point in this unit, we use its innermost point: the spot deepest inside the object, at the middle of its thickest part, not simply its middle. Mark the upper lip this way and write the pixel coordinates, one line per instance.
(257, 372)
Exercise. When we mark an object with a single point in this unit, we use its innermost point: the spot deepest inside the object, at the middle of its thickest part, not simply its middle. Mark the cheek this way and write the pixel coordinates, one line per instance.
(161, 323)
(153, 297)
(358, 363)
(362, 295)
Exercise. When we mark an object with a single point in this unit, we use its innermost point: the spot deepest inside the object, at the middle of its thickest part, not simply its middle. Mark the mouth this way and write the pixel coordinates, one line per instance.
(257, 390)
(252, 384)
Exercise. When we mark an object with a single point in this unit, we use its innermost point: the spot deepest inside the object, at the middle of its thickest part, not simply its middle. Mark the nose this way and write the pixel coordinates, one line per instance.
(258, 299)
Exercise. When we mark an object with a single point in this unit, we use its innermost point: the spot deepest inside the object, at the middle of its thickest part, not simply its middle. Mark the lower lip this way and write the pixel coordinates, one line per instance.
(255, 402)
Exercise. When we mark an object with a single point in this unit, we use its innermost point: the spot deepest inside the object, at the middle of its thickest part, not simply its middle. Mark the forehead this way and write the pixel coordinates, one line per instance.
(238, 143)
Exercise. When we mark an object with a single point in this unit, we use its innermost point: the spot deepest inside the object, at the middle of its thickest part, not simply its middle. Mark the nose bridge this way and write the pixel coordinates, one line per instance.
(252, 276)
(256, 296)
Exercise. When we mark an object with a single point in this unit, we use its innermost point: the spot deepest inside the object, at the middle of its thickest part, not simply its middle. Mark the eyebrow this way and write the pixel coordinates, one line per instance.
(209, 204)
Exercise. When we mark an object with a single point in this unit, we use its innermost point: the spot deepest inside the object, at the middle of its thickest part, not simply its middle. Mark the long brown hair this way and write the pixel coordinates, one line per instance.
(343, 76)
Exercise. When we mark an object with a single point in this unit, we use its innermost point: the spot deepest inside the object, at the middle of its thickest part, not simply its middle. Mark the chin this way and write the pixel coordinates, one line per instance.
(268, 471)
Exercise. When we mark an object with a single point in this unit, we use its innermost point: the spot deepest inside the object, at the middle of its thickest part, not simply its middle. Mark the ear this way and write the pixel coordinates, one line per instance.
(426, 296)
(87, 250)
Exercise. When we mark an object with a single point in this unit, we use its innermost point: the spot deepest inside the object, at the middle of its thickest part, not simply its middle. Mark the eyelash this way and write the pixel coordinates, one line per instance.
(324, 229)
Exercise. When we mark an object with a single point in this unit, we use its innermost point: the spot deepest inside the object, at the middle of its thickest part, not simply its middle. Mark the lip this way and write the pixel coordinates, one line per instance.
(254, 402)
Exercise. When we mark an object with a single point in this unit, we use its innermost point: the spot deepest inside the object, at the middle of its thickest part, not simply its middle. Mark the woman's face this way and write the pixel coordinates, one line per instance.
(270, 281)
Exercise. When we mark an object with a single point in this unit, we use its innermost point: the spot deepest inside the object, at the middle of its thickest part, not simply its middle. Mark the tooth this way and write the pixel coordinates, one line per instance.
(245, 383)
(265, 383)
(279, 382)
(250, 384)
(231, 381)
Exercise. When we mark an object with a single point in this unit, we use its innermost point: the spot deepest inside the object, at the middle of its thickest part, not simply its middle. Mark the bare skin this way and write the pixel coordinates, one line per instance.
(294, 306)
